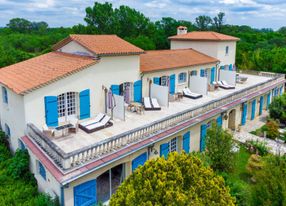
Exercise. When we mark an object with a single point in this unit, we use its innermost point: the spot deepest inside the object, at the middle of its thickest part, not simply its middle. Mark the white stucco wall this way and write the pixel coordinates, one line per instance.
(74, 47)
(167, 72)
(110, 70)
(214, 49)
(12, 114)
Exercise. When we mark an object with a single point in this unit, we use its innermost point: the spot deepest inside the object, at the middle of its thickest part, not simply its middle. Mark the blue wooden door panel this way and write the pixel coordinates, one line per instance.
(138, 91)
(51, 111)
(164, 150)
(84, 104)
(85, 194)
(230, 67)
(172, 83)
(219, 121)
(244, 114)
(138, 161)
(203, 137)
(268, 100)
(156, 80)
(202, 72)
(186, 142)
(261, 105)
(115, 89)
(212, 75)
(253, 109)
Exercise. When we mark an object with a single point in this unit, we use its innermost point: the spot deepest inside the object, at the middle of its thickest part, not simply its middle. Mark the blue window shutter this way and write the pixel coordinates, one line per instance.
(253, 109)
(186, 142)
(51, 111)
(244, 114)
(42, 171)
(219, 121)
(268, 100)
(85, 194)
(139, 161)
(164, 150)
(222, 67)
(156, 80)
(84, 103)
(138, 91)
(212, 75)
(115, 89)
(202, 73)
(281, 90)
(230, 67)
(203, 137)
(172, 83)
(261, 105)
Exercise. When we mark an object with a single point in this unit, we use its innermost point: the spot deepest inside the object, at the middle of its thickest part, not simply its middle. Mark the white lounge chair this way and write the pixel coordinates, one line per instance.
(188, 93)
(151, 104)
(225, 86)
(101, 124)
(96, 119)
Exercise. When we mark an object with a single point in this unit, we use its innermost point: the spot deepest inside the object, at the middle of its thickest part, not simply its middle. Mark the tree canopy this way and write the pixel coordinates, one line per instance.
(180, 179)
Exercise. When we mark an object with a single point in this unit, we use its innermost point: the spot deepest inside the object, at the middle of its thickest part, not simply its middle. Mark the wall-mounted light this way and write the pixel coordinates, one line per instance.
(152, 149)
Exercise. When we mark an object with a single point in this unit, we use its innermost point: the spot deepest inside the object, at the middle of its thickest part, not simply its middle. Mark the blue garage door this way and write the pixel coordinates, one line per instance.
(268, 100)
(219, 121)
(85, 194)
(140, 160)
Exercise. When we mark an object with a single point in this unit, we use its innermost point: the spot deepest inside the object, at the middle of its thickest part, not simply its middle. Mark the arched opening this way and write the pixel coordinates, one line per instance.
(231, 119)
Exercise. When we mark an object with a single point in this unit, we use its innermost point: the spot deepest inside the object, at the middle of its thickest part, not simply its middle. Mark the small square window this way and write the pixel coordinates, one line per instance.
(182, 77)
(226, 50)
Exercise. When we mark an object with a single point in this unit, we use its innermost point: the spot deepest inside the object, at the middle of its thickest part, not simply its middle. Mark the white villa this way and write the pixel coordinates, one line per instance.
(97, 107)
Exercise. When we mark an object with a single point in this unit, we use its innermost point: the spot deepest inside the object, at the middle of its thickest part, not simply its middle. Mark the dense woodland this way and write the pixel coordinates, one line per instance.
(262, 49)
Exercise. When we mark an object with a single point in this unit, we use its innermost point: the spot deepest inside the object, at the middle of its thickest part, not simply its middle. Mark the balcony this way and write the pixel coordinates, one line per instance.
(81, 148)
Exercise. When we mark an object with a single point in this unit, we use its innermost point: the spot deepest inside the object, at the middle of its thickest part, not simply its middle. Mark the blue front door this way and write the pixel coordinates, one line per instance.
(261, 105)
(268, 100)
(253, 109)
(138, 91)
(85, 194)
(244, 113)
(172, 83)
(203, 137)
(186, 142)
(139, 161)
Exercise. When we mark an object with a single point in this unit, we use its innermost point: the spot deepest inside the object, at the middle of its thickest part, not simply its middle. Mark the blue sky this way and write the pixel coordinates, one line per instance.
(256, 13)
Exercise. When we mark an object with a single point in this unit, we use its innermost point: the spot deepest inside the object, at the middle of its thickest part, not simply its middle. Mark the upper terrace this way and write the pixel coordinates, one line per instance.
(80, 148)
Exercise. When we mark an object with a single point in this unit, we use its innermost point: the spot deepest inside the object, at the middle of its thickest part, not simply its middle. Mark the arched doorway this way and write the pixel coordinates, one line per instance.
(231, 119)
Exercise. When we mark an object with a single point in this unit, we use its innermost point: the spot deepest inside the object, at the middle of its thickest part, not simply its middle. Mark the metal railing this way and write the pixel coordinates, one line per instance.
(78, 157)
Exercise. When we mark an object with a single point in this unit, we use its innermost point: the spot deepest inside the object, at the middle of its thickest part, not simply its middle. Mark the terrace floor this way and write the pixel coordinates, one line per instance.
(132, 120)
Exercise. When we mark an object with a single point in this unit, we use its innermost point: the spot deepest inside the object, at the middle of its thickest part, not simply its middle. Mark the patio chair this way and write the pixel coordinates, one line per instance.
(74, 128)
(187, 93)
(103, 123)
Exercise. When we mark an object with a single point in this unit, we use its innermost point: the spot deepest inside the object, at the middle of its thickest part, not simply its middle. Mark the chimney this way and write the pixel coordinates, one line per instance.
(182, 30)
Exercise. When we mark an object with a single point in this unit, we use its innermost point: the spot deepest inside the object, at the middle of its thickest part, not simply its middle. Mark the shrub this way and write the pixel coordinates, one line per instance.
(179, 180)
(46, 200)
(259, 147)
(277, 109)
(272, 129)
(219, 149)
(19, 166)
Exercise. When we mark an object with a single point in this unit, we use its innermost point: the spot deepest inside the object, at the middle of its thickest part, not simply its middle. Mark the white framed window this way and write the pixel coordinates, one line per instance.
(182, 78)
(164, 81)
(226, 50)
(173, 145)
(67, 104)
(7, 130)
(5, 95)
(194, 73)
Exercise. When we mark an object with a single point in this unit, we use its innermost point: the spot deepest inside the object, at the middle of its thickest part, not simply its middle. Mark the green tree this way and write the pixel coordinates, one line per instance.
(203, 22)
(219, 149)
(218, 21)
(277, 108)
(143, 42)
(179, 180)
(19, 25)
(270, 186)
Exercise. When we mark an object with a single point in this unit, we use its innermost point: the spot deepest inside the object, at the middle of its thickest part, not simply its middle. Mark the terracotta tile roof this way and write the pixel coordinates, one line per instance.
(204, 36)
(102, 44)
(169, 59)
(39, 71)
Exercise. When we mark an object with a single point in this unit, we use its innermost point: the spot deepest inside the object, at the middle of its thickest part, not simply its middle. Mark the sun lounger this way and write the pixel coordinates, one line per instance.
(224, 86)
(187, 93)
(96, 119)
(151, 104)
(228, 85)
(103, 123)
